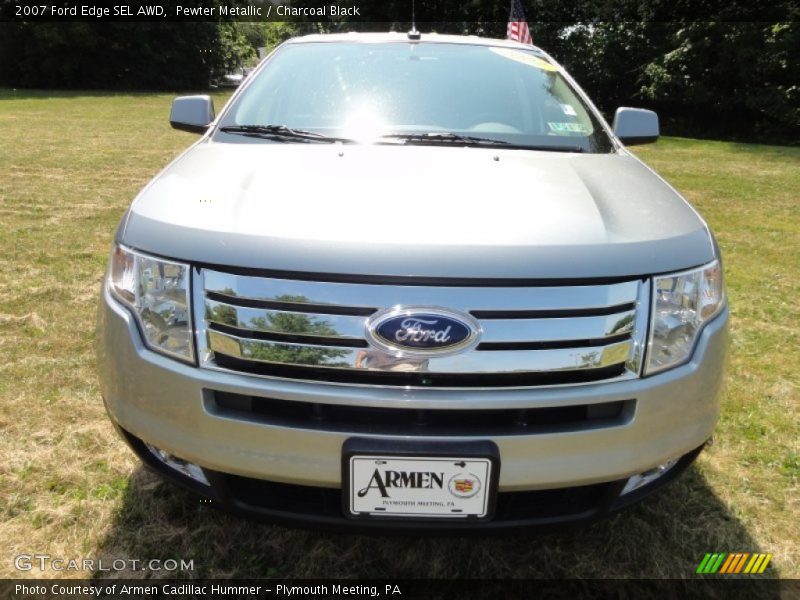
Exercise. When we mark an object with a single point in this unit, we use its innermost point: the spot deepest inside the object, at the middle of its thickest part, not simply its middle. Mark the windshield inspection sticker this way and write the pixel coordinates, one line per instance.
(565, 128)
(526, 58)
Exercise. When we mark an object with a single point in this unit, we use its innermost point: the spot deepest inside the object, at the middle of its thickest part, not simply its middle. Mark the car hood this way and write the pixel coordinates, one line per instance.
(416, 211)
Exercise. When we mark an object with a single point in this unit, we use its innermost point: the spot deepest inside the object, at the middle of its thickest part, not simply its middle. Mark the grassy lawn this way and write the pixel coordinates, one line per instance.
(69, 165)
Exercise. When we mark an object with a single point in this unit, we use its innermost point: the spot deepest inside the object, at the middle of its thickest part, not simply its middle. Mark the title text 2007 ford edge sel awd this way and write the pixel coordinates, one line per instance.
(413, 282)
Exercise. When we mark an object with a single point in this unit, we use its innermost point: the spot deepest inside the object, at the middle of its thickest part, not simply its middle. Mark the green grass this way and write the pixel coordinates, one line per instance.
(69, 165)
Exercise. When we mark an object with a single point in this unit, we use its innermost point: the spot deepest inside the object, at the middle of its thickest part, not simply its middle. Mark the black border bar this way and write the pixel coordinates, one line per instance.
(396, 13)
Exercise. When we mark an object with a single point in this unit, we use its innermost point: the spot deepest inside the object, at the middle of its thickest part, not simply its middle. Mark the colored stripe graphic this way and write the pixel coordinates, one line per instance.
(734, 563)
(740, 564)
(727, 563)
(711, 560)
(765, 563)
(714, 566)
(758, 562)
(703, 563)
(752, 562)
(737, 558)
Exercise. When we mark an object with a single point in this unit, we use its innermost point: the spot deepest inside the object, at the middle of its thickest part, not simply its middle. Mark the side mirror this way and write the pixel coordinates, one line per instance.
(635, 125)
(192, 113)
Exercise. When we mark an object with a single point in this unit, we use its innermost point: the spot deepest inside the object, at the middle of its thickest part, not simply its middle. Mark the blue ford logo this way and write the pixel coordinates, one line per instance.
(422, 331)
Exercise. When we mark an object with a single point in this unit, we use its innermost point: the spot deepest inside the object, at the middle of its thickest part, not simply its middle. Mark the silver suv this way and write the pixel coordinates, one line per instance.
(413, 282)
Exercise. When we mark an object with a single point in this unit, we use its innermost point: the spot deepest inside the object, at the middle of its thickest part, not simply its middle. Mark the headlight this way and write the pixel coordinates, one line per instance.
(682, 303)
(157, 292)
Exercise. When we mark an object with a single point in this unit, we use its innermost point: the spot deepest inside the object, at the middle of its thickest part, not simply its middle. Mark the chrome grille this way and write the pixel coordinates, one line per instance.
(315, 330)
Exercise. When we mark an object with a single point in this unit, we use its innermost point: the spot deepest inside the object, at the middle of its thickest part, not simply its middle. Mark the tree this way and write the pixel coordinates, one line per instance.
(720, 74)
(721, 78)
(111, 55)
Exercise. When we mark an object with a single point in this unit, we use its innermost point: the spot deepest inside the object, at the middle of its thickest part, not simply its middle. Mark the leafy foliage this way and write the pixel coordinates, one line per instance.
(729, 76)
(722, 74)
(110, 55)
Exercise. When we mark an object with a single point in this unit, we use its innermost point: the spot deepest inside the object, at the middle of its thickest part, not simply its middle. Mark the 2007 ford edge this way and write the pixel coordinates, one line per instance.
(413, 282)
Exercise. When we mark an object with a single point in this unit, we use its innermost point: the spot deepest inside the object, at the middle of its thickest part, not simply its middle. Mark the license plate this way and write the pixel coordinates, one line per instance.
(418, 486)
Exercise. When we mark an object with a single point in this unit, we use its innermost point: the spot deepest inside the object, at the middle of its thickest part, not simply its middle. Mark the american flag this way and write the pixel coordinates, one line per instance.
(517, 25)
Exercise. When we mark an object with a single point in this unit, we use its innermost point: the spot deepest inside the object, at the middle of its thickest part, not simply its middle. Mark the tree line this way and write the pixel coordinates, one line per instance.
(727, 78)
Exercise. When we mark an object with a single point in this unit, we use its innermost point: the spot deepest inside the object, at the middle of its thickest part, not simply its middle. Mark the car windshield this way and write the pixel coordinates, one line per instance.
(412, 93)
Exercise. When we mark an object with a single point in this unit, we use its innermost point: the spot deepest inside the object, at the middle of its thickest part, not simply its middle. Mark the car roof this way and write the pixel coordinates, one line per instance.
(393, 36)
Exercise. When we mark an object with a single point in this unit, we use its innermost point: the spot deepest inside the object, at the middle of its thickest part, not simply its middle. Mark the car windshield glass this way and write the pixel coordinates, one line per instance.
(375, 92)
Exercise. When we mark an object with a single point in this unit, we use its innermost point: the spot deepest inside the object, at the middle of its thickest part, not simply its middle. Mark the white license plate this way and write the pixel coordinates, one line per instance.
(410, 486)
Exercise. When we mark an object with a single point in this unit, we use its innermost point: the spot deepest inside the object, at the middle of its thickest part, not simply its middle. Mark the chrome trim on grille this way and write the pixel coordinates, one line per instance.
(558, 329)
(322, 326)
(282, 321)
(501, 361)
(465, 299)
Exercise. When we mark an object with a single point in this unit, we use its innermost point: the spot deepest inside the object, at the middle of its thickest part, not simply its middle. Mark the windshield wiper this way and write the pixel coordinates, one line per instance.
(443, 138)
(466, 140)
(281, 133)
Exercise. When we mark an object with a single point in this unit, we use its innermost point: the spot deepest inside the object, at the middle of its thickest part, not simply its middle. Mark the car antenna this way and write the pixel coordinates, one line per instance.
(413, 34)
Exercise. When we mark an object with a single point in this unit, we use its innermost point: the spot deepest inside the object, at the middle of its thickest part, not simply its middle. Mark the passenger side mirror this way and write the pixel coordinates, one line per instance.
(635, 125)
(192, 113)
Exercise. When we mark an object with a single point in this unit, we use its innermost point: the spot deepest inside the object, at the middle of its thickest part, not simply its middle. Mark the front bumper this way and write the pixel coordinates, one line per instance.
(163, 402)
(321, 507)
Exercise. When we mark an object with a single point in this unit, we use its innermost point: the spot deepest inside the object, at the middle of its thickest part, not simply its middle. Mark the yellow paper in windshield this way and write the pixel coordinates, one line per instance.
(526, 58)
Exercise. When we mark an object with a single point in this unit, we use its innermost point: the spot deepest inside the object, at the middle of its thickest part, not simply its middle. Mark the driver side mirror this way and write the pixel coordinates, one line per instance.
(192, 113)
(635, 125)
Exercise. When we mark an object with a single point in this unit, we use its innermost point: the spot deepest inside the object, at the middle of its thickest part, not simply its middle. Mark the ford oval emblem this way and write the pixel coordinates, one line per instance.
(422, 331)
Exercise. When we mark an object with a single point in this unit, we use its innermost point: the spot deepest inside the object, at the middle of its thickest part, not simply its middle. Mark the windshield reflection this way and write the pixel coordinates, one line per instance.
(364, 91)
